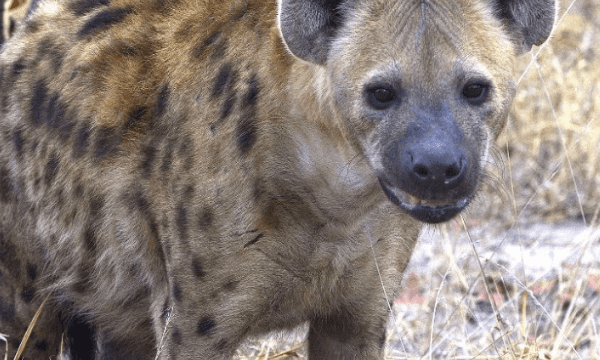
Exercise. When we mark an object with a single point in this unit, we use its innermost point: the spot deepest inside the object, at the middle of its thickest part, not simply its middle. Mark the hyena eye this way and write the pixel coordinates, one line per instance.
(380, 97)
(475, 93)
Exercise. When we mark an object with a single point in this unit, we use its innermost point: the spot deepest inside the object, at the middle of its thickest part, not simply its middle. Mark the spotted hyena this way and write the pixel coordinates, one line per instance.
(176, 175)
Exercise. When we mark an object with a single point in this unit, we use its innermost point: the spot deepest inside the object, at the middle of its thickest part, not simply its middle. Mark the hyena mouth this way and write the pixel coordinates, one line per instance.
(429, 211)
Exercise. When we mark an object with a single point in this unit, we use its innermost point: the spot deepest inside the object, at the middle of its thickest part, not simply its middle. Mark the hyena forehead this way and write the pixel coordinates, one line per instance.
(319, 31)
(422, 43)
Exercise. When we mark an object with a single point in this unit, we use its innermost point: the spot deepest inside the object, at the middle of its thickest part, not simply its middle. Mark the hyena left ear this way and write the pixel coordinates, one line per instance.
(308, 26)
(530, 21)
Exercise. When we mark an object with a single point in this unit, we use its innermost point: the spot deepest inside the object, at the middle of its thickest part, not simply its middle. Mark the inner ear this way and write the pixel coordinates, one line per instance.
(530, 21)
(308, 26)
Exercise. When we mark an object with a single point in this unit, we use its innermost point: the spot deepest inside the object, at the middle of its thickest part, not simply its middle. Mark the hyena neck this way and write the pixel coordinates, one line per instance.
(316, 150)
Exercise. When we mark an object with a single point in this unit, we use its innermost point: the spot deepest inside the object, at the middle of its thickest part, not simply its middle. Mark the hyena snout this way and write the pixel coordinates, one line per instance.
(429, 170)
(434, 165)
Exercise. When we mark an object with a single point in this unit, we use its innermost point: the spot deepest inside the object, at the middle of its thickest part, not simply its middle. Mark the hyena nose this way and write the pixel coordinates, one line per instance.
(435, 167)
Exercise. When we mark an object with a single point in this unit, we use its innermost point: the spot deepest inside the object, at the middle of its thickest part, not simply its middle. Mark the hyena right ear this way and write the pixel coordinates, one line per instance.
(307, 27)
(530, 21)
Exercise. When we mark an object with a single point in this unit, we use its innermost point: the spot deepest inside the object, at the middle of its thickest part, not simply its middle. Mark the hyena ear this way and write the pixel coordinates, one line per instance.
(530, 21)
(308, 26)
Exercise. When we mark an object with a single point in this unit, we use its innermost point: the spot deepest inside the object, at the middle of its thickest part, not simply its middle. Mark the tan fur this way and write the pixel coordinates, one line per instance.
(210, 162)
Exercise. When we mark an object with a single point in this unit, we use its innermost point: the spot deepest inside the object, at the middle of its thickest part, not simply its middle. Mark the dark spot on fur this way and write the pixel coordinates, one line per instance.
(41, 345)
(51, 170)
(227, 106)
(176, 335)
(199, 50)
(48, 49)
(56, 117)
(221, 80)
(18, 67)
(9, 257)
(136, 119)
(78, 189)
(27, 294)
(168, 157)
(82, 140)
(96, 205)
(254, 241)
(55, 112)
(107, 142)
(148, 158)
(230, 285)
(206, 326)
(137, 200)
(215, 42)
(32, 271)
(17, 138)
(185, 153)
(188, 193)
(188, 28)
(11, 26)
(83, 7)
(37, 102)
(205, 219)
(221, 345)
(7, 312)
(6, 185)
(176, 292)
(197, 269)
(246, 133)
(103, 20)
(31, 26)
(89, 240)
(252, 94)
(162, 100)
(181, 221)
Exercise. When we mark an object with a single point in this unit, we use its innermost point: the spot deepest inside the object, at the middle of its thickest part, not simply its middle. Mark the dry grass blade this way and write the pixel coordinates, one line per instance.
(30, 329)
(291, 352)
(165, 332)
(3, 338)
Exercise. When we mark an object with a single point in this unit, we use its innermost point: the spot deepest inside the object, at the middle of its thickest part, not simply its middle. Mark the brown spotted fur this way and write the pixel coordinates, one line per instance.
(172, 160)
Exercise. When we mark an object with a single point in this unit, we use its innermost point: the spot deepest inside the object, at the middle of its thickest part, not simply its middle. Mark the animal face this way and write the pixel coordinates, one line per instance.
(424, 87)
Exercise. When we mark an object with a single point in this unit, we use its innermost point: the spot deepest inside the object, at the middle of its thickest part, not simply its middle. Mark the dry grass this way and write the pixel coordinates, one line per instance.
(480, 294)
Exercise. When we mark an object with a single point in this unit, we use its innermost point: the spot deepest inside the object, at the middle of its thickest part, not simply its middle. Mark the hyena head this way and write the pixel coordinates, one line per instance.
(422, 87)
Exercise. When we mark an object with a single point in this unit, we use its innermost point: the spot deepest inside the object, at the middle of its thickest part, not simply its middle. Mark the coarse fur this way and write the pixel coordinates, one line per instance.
(176, 175)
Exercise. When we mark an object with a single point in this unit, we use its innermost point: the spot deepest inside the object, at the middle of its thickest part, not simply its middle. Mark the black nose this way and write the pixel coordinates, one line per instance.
(435, 165)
